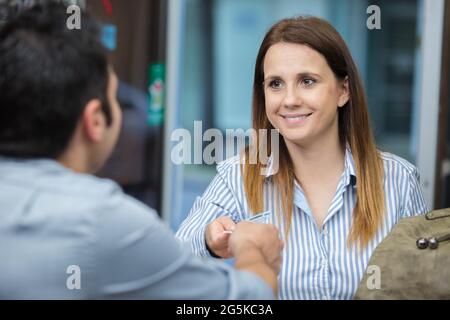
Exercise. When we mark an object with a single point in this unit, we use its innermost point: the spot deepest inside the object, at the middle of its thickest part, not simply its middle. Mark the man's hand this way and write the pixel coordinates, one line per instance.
(263, 237)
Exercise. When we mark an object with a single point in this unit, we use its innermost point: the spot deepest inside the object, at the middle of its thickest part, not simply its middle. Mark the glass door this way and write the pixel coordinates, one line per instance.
(216, 43)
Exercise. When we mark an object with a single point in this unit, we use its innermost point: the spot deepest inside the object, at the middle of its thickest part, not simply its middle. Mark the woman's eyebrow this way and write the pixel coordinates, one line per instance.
(271, 77)
(308, 74)
(299, 75)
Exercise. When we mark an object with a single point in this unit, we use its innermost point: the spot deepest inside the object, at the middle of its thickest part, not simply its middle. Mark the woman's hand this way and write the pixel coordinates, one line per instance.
(217, 237)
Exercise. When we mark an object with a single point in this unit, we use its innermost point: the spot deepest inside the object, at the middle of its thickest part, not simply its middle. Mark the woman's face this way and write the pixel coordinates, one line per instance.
(302, 94)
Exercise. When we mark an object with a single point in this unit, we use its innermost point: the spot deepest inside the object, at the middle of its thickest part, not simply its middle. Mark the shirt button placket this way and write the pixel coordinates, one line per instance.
(324, 263)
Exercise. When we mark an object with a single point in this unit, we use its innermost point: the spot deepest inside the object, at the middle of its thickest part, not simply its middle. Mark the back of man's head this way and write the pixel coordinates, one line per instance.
(47, 75)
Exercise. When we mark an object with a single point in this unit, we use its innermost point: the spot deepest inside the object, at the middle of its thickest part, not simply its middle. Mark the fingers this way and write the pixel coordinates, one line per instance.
(217, 237)
(277, 265)
(281, 244)
(263, 236)
(273, 255)
(227, 223)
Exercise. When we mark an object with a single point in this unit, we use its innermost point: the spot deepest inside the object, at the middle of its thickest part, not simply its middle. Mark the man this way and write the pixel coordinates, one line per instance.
(65, 234)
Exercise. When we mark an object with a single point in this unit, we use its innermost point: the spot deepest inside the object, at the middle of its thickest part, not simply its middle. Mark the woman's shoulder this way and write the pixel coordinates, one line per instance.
(229, 172)
(229, 165)
(396, 164)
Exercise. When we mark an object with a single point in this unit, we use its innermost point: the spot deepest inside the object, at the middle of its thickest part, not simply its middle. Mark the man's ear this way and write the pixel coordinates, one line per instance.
(344, 92)
(94, 122)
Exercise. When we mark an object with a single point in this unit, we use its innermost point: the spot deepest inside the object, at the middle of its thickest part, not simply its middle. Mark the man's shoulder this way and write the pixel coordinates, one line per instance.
(48, 176)
(49, 188)
(106, 197)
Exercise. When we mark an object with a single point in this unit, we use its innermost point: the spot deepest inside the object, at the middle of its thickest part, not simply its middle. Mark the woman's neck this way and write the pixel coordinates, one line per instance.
(320, 162)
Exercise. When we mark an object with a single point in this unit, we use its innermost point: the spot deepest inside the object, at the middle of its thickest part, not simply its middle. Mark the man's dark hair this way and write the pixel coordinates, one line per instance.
(48, 73)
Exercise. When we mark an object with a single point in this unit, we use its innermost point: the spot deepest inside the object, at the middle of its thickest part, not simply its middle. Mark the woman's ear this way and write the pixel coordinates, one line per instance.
(94, 122)
(344, 95)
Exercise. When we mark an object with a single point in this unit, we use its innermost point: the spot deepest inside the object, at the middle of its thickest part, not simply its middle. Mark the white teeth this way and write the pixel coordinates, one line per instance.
(296, 118)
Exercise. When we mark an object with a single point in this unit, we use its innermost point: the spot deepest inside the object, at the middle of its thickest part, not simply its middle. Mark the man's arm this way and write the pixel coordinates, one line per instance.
(257, 248)
(137, 257)
(253, 261)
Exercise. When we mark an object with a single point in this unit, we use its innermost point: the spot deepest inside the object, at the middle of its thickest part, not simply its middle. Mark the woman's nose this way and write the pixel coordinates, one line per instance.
(292, 98)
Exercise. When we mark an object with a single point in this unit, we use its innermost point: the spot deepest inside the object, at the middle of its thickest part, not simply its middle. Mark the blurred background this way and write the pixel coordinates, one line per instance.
(181, 61)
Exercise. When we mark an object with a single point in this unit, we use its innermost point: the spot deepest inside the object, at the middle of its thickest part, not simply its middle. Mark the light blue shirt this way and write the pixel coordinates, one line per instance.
(317, 264)
(65, 235)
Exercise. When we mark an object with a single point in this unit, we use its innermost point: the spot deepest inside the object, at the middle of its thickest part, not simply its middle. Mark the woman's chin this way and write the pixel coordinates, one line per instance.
(295, 139)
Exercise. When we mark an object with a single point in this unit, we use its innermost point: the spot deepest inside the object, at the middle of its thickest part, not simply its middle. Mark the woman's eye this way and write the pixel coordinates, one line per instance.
(308, 81)
(275, 84)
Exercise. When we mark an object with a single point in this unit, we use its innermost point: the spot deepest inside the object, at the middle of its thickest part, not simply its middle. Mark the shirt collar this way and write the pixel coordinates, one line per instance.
(349, 167)
(13, 165)
(270, 170)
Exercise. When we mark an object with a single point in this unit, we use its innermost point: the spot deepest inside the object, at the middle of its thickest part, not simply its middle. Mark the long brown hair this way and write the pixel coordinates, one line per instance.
(354, 129)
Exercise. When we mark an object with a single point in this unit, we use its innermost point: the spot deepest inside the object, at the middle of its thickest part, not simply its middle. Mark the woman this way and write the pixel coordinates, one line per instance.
(334, 196)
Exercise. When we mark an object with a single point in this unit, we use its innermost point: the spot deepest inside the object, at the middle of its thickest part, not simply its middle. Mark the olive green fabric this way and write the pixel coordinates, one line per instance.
(407, 272)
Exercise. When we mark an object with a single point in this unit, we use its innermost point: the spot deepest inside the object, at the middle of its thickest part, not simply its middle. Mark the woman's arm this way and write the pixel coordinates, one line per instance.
(217, 201)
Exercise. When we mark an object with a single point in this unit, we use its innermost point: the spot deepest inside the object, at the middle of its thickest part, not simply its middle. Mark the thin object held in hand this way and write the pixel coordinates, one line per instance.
(257, 218)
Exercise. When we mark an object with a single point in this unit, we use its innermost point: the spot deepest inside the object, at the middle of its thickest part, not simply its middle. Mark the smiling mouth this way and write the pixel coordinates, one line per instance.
(299, 117)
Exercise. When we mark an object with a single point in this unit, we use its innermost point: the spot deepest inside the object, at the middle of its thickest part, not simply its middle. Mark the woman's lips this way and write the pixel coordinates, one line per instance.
(296, 119)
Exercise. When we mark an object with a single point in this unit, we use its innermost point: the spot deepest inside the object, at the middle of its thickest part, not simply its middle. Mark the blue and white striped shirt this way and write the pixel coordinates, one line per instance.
(317, 264)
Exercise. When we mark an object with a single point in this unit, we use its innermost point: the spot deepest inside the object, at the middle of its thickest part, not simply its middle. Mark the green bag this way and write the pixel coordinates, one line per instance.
(412, 262)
